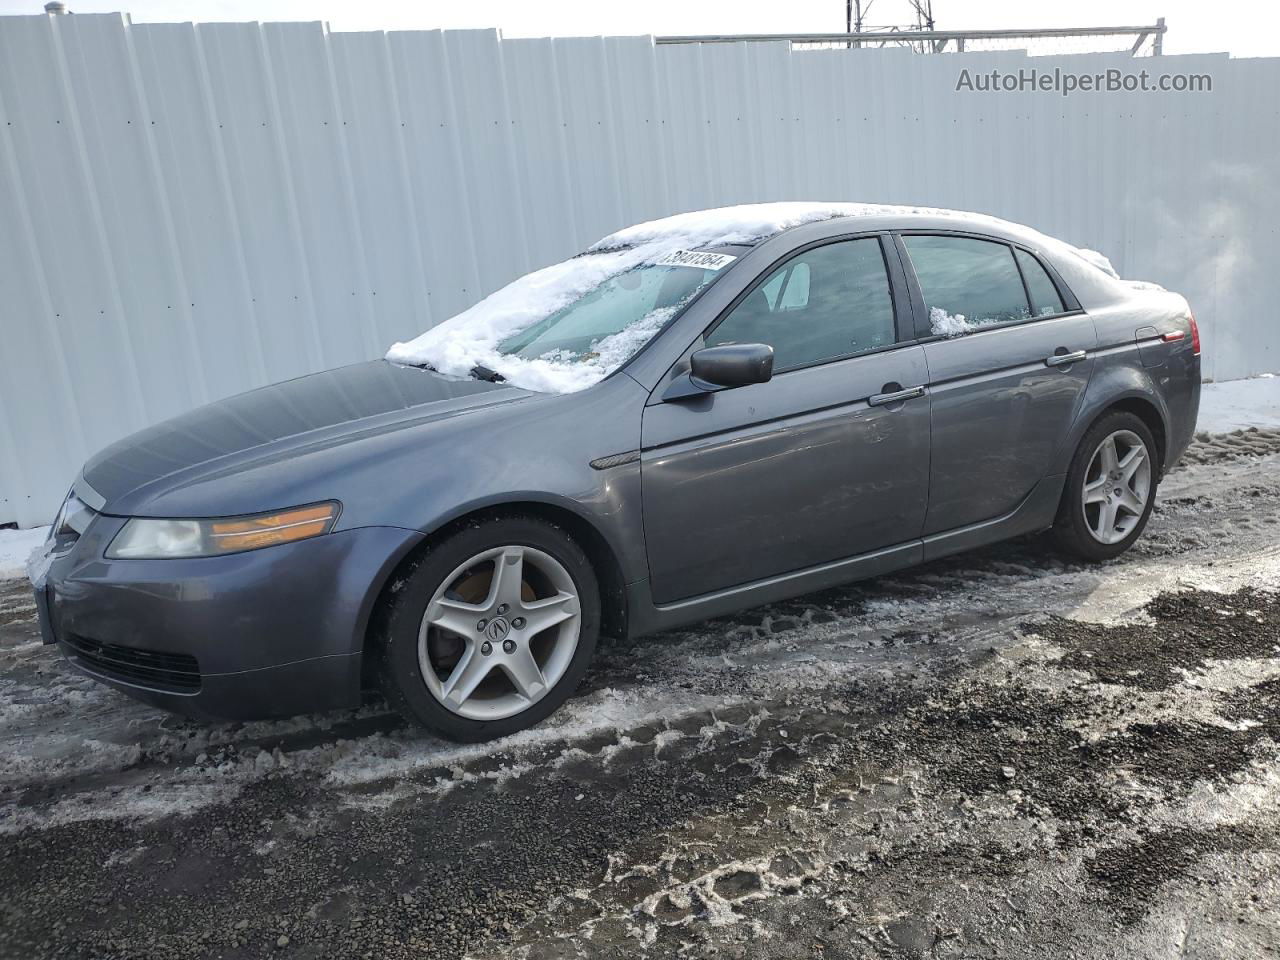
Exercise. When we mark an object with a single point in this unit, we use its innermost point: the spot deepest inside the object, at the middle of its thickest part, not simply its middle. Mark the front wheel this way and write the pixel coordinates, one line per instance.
(1110, 489)
(491, 630)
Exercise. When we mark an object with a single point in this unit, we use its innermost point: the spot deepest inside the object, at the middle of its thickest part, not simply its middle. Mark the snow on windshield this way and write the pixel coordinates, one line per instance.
(474, 338)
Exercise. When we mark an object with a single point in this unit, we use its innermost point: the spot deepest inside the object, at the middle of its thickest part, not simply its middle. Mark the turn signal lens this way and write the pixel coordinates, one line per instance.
(144, 538)
(232, 535)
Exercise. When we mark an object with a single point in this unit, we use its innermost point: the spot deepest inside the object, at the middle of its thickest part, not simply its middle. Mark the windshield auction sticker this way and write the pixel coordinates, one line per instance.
(692, 258)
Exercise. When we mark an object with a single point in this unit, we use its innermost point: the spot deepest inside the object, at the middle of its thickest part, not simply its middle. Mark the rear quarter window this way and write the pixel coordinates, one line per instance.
(1045, 299)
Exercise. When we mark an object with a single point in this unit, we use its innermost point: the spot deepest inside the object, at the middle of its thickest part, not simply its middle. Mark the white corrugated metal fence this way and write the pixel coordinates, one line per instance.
(190, 211)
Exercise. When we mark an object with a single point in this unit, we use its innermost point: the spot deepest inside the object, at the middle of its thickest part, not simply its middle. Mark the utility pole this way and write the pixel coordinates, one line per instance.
(924, 19)
(853, 19)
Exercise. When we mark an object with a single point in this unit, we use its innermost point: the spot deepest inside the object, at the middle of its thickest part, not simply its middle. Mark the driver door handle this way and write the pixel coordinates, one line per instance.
(880, 399)
(1063, 359)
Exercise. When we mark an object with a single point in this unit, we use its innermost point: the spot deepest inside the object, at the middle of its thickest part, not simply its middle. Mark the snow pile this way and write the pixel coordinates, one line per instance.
(16, 546)
(1103, 263)
(1098, 260)
(1240, 404)
(471, 338)
(954, 324)
(742, 224)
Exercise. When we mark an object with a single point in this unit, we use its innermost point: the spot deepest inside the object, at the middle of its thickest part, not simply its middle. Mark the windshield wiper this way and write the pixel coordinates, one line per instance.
(481, 372)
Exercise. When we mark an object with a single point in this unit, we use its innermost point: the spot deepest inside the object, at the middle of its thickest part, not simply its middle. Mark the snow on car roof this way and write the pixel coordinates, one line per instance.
(749, 222)
(471, 338)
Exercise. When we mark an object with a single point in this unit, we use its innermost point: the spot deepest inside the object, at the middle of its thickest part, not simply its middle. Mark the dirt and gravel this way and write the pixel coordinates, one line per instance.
(1001, 754)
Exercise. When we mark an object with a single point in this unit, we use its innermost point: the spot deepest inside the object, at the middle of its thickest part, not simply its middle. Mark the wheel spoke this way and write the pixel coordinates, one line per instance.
(1110, 458)
(467, 675)
(1096, 492)
(1131, 462)
(1107, 521)
(525, 673)
(455, 616)
(541, 614)
(508, 573)
(1131, 502)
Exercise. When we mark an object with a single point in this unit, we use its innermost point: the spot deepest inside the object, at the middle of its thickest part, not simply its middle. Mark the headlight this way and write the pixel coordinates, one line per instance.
(60, 519)
(143, 538)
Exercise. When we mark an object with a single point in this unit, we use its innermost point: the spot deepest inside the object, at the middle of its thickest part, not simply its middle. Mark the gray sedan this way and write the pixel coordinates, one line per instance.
(696, 416)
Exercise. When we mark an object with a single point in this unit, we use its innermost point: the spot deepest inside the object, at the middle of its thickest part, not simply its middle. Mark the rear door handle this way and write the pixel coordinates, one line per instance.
(880, 399)
(1063, 359)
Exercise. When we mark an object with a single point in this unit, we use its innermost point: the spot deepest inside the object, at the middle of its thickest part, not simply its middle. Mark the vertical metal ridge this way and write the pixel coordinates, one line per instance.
(474, 282)
(38, 271)
(315, 346)
(419, 278)
(349, 194)
(137, 402)
(510, 153)
(259, 354)
(199, 387)
(20, 479)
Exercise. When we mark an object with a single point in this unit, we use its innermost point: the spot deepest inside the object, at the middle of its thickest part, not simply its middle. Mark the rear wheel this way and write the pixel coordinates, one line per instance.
(1110, 488)
(492, 630)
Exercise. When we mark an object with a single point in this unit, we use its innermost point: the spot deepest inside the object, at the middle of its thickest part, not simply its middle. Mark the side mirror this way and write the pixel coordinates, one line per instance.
(733, 364)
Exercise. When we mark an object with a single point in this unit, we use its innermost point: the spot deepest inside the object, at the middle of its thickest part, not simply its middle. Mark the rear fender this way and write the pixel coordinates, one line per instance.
(1110, 386)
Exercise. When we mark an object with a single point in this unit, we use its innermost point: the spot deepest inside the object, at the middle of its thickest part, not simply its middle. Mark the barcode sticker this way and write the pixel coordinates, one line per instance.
(693, 258)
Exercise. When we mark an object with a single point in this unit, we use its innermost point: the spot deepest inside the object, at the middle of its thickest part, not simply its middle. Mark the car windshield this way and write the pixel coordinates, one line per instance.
(613, 320)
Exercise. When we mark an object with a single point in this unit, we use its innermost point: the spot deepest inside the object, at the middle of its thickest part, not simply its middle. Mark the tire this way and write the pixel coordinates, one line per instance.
(428, 670)
(1083, 530)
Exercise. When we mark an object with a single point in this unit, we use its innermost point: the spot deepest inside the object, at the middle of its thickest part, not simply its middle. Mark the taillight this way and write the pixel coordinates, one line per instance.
(1195, 334)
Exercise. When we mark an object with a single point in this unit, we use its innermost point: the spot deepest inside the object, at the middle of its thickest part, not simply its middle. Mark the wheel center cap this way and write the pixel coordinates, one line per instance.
(497, 629)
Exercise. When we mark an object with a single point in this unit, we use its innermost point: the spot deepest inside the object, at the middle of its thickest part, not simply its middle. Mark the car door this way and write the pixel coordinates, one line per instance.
(827, 460)
(1009, 355)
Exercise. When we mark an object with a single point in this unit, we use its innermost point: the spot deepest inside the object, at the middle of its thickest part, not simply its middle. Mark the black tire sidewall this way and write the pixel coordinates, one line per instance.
(413, 589)
(1072, 526)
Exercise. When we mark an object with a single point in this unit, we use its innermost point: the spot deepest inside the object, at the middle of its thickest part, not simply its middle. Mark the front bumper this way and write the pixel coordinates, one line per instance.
(251, 635)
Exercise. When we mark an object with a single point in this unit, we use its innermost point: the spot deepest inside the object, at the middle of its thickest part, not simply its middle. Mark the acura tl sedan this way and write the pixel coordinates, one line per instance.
(696, 415)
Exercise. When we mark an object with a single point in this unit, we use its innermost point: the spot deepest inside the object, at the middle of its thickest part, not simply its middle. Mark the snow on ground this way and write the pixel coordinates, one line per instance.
(16, 547)
(877, 769)
(1240, 404)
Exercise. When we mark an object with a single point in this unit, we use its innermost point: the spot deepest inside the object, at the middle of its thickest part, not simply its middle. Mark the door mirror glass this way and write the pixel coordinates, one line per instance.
(733, 364)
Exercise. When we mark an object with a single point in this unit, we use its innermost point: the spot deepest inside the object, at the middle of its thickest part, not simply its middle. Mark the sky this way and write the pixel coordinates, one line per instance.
(1243, 28)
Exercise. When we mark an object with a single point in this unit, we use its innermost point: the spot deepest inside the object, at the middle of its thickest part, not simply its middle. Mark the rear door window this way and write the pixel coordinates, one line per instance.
(967, 284)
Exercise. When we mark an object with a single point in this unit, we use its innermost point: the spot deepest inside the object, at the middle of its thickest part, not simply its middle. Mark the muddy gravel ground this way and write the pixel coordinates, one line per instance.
(999, 755)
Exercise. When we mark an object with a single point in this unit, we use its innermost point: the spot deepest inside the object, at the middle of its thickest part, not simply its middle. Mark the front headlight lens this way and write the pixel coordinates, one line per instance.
(144, 538)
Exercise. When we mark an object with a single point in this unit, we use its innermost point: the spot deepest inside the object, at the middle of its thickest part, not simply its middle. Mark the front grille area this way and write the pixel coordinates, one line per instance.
(150, 668)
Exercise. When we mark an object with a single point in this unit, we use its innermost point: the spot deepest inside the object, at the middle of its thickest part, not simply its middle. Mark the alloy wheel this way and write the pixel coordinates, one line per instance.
(499, 632)
(1117, 486)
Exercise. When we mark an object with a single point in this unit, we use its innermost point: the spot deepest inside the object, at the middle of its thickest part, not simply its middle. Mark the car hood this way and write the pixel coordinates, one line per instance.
(228, 437)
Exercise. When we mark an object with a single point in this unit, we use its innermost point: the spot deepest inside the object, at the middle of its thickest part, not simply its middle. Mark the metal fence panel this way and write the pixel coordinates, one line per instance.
(188, 211)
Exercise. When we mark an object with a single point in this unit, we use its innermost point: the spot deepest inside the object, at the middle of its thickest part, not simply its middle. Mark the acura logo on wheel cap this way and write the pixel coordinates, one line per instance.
(498, 629)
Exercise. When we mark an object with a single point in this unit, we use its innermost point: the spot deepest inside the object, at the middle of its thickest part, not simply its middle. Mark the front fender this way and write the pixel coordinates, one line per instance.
(542, 455)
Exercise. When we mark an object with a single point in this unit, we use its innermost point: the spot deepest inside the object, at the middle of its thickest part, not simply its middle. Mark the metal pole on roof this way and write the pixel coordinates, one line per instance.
(55, 8)
(1157, 47)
